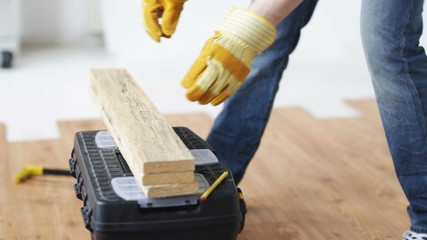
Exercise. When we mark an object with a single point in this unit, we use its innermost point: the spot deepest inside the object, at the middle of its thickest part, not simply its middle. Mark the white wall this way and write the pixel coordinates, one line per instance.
(326, 69)
(329, 45)
(9, 25)
(329, 51)
(329, 55)
(53, 20)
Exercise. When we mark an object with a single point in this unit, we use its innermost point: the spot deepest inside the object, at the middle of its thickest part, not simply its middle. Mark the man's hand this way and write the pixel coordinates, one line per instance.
(226, 58)
(169, 12)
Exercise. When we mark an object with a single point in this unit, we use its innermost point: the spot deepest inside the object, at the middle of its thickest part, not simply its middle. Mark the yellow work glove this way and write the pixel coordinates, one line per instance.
(226, 58)
(168, 10)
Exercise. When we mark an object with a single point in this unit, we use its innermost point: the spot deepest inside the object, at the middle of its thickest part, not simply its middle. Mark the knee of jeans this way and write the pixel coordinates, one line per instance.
(372, 43)
(383, 57)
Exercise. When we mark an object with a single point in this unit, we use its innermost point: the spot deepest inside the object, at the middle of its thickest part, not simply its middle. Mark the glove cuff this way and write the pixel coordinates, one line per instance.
(251, 28)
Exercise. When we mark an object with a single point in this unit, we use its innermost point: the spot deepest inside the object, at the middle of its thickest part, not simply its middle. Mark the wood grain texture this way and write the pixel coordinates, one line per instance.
(144, 137)
(329, 179)
(324, 179)
(167, 178)
(168, 190)
(159, 185)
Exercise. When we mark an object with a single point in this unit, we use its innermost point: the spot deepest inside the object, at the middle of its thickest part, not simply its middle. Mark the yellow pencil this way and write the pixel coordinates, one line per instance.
(213, 186)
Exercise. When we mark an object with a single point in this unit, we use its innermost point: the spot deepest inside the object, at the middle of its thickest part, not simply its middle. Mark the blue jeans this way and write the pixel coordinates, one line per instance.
(391, 30)
(237, 130)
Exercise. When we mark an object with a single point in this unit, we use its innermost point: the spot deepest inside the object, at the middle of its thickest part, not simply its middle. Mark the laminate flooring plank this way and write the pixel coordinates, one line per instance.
(329, 179)
(5, 169)
(69, 128)
(6, 190)
(334, 176)
(43, 207)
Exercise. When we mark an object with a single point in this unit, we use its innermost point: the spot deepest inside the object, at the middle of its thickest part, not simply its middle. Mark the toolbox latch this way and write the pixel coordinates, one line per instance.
(243, 209)
(73, 162)
(78, 189)
(86, 214)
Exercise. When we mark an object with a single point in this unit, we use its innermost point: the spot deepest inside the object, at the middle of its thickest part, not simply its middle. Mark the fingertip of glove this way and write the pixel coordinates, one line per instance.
(167, 32)
(155, 37)
(186, 83)
(220, 99)
(194, 93)
(202, 103)
(206, 98)
(167, 35)
(216, 103)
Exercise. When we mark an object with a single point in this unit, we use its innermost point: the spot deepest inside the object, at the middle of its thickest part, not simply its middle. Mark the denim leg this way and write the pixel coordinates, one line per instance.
(391, 30)
(237, 130)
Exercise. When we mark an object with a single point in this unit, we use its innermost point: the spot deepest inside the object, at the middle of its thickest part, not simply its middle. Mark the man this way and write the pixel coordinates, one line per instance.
(390, 31)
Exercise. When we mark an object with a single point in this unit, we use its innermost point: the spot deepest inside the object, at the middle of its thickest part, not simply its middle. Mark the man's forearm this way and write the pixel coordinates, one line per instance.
(274, 10)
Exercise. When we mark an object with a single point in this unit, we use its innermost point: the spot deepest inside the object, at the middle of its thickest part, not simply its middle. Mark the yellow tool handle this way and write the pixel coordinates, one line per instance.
(213, 186)
(34, 170)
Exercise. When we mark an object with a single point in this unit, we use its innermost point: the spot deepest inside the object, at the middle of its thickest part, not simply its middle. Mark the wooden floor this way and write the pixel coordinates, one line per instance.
(311, 180)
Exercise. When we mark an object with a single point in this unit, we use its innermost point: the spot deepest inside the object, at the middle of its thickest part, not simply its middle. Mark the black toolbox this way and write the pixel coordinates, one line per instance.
(98, 166)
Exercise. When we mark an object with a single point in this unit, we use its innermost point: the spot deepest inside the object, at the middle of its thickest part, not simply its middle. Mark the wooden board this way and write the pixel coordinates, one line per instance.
(167, 190)
(144, 137)
(167, 178)
(329, 179)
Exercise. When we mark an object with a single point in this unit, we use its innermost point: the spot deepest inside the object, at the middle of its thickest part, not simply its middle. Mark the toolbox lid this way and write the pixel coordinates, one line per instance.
(104, 140)
(128, 189)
